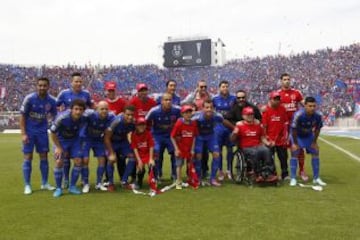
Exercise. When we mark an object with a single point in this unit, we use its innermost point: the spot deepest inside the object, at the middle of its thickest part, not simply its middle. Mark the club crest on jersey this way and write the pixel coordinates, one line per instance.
(177, 51)
(47, 107)
(293, 96)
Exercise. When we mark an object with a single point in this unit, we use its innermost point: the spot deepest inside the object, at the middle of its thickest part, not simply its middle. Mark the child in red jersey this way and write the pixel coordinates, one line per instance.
(183, 138)
(142, 143)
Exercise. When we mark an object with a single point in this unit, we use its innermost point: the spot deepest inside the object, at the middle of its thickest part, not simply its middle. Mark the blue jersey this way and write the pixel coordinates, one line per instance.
(223, 104)
(306, 125)
(36, 111)
(175, 99)
(65, 127)
(66, 97)
(163, 121)
(120, 129)
(206, 126)
(95, 126)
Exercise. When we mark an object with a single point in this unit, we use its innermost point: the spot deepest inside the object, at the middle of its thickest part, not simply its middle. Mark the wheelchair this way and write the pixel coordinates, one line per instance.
(243, 171)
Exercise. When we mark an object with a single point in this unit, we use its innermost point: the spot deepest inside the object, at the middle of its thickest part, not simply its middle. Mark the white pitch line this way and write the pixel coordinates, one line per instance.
(357, 158)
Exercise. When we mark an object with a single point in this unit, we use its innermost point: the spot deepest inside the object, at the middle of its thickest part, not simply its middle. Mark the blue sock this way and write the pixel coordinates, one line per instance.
(110, 173)
(214, 167)
(66, 169)
(75, 175)
(44, 169)
(229, 158)
(293, 167)
(129, 168)
(221, 162)
(315, 162)
(85, 174)
(58, 174)
(27, 171)
(99, 174)
(197, 164)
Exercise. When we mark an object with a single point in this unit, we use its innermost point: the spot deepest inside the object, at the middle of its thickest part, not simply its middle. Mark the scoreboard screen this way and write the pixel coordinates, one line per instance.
(187, 53)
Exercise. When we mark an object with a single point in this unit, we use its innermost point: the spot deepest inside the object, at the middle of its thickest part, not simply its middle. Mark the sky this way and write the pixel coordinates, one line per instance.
(122, 32)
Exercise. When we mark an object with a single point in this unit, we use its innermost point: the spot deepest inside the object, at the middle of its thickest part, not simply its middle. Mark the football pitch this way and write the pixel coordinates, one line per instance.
(228, 212)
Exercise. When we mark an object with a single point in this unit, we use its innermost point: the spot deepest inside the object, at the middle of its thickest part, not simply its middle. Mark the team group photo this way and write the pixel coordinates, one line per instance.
(179, 120)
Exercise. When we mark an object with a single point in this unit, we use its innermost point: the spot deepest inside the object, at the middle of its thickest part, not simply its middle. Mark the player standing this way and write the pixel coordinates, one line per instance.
(305, 130)
(291, 99)
(36, 109)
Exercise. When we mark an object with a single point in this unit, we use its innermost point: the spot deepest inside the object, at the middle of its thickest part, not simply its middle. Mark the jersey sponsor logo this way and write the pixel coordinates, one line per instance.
(186, 134)
(250, 133)
(142, 145)
(37, 116)
(275, 119)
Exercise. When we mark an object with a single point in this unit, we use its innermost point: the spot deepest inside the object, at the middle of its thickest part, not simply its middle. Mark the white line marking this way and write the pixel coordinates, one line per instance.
(341, 149)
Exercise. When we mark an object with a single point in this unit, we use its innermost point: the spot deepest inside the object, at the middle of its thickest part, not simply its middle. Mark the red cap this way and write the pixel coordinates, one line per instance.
(140, 86)
(140, 120)
(247, 111)
(274, 94)
(110, 86)
(186, 108)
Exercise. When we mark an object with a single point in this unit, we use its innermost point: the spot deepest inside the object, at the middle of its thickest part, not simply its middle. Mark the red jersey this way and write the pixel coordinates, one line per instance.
(116, 105)
(142, 142)
(249, 134)
(142, 107)
(290, 99)
(184, 135)
(275, 120)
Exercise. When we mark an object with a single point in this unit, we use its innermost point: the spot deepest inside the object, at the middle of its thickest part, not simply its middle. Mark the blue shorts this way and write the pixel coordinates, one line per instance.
(162, 142)
(223, 135)
(98, 148)
(208, 140)
(73, 147)
(124, 148)
(40, 141)
(305, 142)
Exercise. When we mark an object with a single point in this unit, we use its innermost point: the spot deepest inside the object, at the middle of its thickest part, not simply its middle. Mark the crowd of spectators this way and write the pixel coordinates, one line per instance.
(322, 74)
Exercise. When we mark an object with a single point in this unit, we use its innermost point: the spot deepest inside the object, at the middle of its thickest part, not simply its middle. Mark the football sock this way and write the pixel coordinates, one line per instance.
(214, 167)
(110, 173)
(75, 175)
(315, 162)
(27, 171)
(99, 173)
(44, 169)
(128, 170)
(293, 167)
(58, 174)
(66, 169)
(85, 174)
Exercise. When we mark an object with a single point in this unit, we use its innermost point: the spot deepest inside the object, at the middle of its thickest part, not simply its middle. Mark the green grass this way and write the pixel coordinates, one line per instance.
(229, 212)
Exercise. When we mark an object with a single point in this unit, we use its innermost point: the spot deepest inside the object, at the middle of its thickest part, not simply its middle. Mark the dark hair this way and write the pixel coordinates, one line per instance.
(169, 81)
(284, 75)
(129, 108)
(310, 100)
(45, 79)
(240, 90)
(223, 82)
(78, 102)
(207, 101)
(75, 74)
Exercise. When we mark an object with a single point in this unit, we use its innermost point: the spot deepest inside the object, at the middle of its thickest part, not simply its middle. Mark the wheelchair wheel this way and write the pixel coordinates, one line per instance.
(240, 167)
